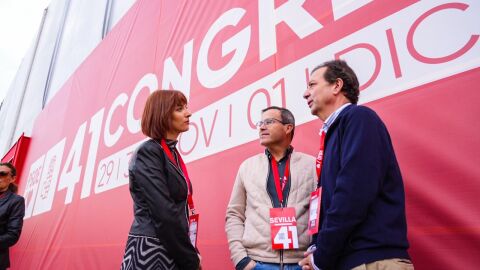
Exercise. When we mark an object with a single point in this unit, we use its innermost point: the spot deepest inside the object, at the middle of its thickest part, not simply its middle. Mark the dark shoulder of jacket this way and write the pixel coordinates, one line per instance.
(15, 199)
(19, 200)
(357, 112)
(149, 146)
(18, 197)
(360, 110)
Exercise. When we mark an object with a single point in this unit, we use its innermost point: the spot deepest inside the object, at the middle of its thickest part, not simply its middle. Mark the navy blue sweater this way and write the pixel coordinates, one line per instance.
(363, 202)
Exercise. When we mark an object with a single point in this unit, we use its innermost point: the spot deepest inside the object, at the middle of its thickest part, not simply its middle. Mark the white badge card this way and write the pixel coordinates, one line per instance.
(283, 227)
(314, 211)
(193, 229)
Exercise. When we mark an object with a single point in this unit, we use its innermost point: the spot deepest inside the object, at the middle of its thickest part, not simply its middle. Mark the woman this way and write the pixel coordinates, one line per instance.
(12, 210)
(159, 186)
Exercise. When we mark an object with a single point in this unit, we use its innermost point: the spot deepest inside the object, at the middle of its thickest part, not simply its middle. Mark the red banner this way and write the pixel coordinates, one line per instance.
(417, 62)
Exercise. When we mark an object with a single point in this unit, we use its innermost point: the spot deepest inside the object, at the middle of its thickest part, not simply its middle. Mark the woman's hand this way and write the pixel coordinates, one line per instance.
(200, 262)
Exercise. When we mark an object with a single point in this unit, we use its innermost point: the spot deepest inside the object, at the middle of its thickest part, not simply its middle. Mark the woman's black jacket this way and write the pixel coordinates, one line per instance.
(12, 211)
(159, 194)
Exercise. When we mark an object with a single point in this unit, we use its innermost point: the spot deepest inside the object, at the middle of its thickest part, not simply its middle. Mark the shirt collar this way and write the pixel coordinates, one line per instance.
(331, 118)
(287, 153)
(171, 143)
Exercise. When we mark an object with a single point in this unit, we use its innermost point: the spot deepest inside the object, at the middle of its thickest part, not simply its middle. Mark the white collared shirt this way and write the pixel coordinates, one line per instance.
(331, 118)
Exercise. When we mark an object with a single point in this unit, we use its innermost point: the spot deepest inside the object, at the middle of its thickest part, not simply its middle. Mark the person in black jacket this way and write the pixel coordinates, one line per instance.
(12, 211)
(161, 190)
(362, 221)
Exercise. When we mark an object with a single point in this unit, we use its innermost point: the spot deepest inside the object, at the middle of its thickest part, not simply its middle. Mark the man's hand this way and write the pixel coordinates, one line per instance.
(250, 265)
(306, 263)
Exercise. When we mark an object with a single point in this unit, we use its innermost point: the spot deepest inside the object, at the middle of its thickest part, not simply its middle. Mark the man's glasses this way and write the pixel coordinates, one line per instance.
(3, 173)
(268, 122)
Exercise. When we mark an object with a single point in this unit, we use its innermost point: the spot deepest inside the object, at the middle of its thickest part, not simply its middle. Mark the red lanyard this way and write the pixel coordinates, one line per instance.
(276, 178)
(320, 154)
(184, 171)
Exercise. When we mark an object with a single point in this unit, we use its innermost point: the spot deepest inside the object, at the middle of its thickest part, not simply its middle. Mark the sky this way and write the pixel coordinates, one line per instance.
(19, 24)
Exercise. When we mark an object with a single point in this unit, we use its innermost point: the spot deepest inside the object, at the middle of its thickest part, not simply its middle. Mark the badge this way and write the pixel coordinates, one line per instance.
(193, 229)
(283, 227)
(314, 211)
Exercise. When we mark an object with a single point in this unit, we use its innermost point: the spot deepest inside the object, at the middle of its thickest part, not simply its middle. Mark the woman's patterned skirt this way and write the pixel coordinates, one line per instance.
(146, 253)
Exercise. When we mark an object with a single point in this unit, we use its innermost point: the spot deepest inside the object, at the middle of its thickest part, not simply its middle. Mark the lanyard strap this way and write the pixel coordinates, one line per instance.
(183, 169)
(276, 178)
(319, 161)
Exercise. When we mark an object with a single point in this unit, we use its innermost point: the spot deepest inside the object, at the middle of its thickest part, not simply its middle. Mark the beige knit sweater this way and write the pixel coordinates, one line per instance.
(248, 212)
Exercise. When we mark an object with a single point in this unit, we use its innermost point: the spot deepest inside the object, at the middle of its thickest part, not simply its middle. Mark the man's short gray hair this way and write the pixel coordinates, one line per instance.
(286, 115)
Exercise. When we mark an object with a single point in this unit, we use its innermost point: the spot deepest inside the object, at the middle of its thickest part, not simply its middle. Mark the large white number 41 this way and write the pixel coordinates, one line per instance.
(69, 178)
(282, 237)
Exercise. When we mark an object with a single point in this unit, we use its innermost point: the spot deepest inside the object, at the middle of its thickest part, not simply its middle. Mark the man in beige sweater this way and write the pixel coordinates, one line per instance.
(266, 220)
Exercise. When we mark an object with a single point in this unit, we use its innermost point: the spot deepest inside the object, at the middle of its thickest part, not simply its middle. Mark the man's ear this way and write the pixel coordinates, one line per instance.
(338, 85)
(289, 128)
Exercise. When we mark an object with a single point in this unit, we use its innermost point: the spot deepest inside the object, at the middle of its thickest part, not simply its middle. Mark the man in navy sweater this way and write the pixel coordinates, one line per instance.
(362, 223)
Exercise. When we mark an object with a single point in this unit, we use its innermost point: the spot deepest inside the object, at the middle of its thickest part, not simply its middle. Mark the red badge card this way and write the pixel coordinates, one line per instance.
(283, 226)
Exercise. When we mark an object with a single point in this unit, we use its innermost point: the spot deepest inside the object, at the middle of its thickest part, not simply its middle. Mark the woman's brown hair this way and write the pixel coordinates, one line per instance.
(157, 115)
